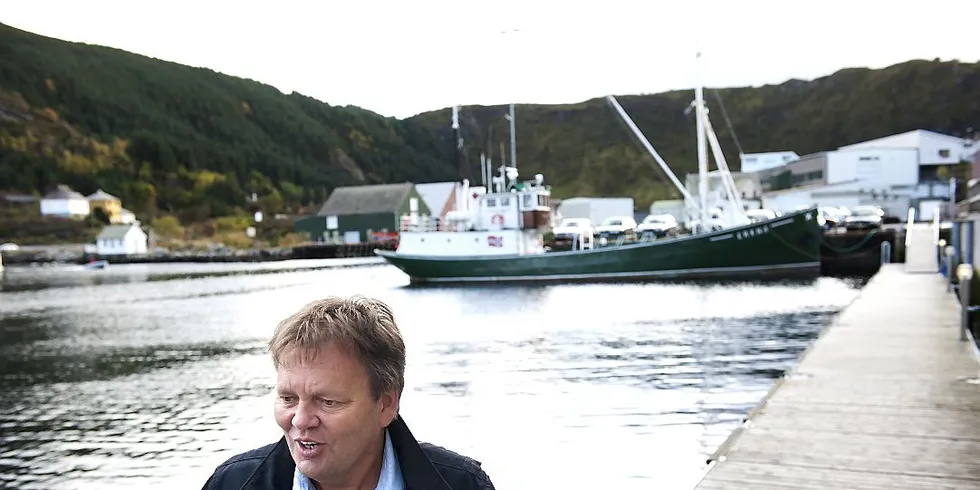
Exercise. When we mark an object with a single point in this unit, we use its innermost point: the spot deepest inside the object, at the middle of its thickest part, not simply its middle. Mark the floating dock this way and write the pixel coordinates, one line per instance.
(887, 397)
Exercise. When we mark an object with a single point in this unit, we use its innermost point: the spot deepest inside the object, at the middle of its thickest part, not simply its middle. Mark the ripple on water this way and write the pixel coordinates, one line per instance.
(120, 385)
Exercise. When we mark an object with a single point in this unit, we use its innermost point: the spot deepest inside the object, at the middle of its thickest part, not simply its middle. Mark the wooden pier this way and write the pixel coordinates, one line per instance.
(886, 398)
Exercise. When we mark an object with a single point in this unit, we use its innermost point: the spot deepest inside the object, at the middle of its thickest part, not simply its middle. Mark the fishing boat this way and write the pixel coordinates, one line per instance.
(497, 232)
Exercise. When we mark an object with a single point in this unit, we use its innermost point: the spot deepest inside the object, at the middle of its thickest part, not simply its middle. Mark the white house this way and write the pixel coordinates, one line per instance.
(756, 162)
(126, 216)
(121, 240)
(65, 203)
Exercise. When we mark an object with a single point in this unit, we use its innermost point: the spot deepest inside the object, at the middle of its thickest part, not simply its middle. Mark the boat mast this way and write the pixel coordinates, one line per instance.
(513, 137)
(459, 143)
(702, 149)
(726, 174)
(488, 171)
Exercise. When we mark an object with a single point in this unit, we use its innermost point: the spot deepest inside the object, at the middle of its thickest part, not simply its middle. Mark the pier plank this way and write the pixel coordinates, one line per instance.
(880, 401)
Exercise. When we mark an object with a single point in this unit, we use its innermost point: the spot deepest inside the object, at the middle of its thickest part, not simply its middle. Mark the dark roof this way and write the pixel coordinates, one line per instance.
(366, 199)
(114, 232)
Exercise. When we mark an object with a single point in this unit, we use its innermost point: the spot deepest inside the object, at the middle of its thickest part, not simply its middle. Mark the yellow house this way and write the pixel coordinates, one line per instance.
(110, 204)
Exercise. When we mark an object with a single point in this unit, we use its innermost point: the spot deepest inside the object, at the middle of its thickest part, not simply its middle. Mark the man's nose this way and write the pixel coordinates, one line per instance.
(305, 416)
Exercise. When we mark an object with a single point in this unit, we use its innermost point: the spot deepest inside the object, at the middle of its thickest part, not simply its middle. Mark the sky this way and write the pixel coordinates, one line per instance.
(402, 57)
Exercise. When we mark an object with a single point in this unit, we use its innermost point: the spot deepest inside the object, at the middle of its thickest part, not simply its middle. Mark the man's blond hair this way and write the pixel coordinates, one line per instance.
(364, 326)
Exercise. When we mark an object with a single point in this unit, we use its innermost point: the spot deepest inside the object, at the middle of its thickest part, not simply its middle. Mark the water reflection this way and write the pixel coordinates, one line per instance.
(118, 383)
(41, 277)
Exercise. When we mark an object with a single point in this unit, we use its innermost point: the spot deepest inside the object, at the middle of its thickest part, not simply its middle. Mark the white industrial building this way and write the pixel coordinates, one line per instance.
(597, 209)
(757, 162)
(895, 172)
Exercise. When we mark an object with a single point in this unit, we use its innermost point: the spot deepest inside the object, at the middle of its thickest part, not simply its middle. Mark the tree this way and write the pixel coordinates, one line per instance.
(101, 216)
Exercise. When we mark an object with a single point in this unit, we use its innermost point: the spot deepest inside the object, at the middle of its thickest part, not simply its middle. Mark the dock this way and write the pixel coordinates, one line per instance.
(887, 397)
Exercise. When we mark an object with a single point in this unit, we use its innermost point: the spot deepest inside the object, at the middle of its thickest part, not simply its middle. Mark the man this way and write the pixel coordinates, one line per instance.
(340, 365)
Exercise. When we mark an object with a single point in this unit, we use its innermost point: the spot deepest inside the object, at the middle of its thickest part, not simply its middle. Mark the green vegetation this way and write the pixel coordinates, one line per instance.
(185, 146)
(186, 141)
(586, 149)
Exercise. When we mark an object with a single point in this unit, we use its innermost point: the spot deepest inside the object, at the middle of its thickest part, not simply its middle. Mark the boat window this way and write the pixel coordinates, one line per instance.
(491, 202)
(504, 202)
(541, 200)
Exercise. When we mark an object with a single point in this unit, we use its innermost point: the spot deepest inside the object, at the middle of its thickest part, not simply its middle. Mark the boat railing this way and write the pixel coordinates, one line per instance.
(425, 223)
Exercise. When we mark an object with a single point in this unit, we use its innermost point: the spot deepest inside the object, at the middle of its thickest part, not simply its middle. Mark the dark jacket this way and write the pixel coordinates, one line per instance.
(424, 467)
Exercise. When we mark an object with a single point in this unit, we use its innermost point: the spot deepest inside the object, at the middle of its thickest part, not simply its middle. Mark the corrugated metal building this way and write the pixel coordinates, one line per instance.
(362, 214)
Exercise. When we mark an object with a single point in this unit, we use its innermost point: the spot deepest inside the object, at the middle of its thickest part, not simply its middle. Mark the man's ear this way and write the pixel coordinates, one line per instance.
(388, 407)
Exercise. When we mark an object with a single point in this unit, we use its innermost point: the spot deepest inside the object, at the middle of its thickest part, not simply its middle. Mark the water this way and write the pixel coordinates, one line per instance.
(150, 375)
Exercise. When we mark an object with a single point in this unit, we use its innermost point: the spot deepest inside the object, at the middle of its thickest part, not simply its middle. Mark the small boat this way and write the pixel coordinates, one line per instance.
(97, 264)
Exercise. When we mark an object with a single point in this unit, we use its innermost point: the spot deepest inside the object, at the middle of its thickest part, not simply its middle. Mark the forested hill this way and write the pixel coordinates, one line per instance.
(189, 141)
(586, 148)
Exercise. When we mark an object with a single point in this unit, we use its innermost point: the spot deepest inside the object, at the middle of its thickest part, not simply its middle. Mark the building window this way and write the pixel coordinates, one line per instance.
(944, 153)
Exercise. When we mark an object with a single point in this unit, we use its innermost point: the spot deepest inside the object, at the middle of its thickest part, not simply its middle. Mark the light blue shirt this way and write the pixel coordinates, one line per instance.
(391, 473)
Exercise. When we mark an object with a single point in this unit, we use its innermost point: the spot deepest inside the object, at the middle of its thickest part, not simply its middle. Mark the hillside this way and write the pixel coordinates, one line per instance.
(586, 149)
(169, 137)
(186, 141)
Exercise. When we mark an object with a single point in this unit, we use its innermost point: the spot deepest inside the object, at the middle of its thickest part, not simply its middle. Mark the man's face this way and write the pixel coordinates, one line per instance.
(326, 400)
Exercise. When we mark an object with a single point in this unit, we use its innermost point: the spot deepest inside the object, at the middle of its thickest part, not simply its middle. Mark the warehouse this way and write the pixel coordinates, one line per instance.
(362, 214)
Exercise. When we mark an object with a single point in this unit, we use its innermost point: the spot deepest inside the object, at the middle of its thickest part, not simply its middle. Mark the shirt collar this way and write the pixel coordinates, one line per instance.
(390, 479)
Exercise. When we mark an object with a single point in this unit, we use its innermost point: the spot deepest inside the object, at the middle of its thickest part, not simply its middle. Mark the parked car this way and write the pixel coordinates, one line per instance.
(657, 226)
(831, 217)
(616, 226)
(864, 218)
(571, 228)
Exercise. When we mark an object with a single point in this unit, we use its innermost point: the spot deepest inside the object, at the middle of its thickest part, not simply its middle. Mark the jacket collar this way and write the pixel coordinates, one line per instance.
(417, 470)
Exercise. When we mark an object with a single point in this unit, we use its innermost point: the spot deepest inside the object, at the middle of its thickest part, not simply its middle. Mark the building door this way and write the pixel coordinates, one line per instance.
(352, 236)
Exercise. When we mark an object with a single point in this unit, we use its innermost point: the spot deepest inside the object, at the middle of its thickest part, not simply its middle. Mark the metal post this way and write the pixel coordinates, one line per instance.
(950, 273)
(964, 272)
(967, 255)
(886, 253)
(955, 238)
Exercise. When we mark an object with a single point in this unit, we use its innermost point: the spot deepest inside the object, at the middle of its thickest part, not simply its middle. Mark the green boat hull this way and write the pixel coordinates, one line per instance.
(788, 246)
